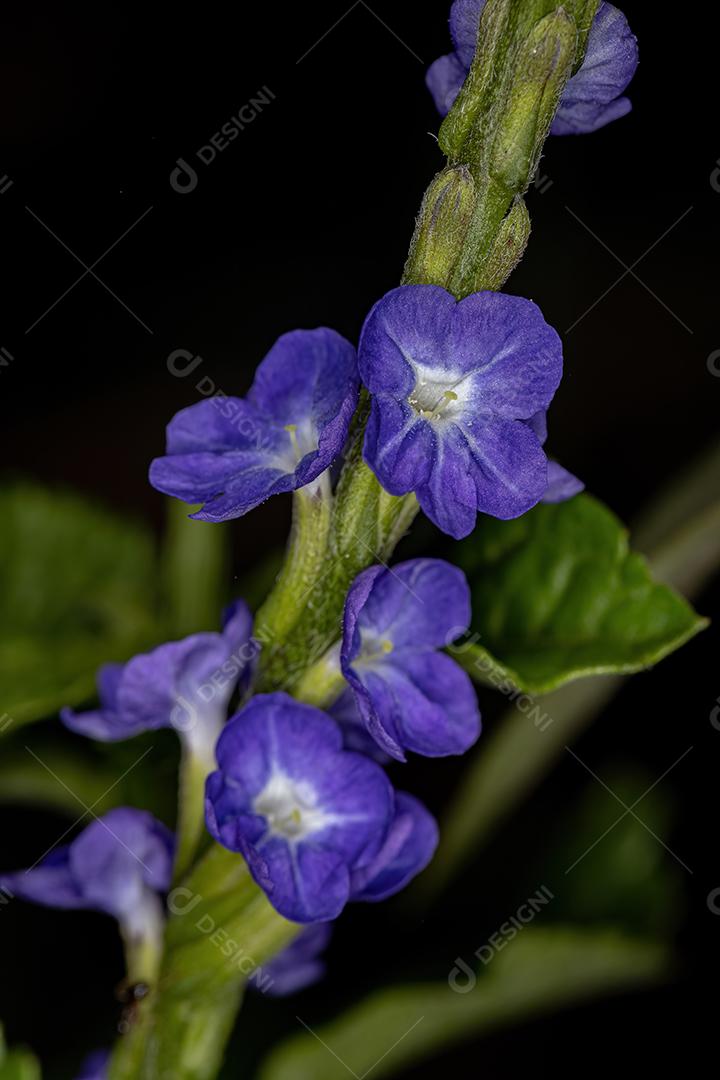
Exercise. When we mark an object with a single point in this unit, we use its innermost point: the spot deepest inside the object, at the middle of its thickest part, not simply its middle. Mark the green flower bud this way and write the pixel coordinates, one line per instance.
(542, 66)
(507, 251)
(441, 227)
(474, 100)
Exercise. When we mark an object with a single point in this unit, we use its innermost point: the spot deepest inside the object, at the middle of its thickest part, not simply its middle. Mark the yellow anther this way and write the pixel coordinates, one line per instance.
(387, 646)
(292, 431)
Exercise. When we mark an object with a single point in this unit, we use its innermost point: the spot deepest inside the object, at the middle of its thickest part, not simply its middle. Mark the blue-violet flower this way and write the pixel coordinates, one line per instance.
(117, 865)
(299, 965)
(410, 695)
(186, 685)
(304, 812)
(231, 454)
(454, 386)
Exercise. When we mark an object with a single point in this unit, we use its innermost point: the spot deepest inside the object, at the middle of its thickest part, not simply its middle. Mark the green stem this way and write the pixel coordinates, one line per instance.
(323, 681)
(144, 941)
(196, 764)
(221, 931)
(304, 563)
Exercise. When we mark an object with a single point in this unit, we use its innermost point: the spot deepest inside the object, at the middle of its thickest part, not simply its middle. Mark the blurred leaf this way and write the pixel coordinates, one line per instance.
(613, 869)
(557, 594)
(195, 567)
(78, 588)
(17, 1064)
(539, 972)
(688, 495)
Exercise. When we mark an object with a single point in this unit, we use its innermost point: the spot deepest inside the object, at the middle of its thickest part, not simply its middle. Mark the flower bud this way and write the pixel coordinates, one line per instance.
(474, 100)
(507, 251)
(441, 227)
(542, 66)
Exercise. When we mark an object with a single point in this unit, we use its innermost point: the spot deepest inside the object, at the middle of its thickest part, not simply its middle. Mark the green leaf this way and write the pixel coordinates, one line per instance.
(17, 1064)
(557, 594)
(77, 587)
(539, 972)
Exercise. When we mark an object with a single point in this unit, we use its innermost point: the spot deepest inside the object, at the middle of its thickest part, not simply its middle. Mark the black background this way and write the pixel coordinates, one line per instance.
(304, 220)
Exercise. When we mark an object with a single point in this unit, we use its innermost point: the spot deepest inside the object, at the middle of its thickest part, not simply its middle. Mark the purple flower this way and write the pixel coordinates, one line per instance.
(185, 684)
(562, 485)
(94, 1067)
(304, 812)
(408, 848)
(116, 865)
(231, 453)
(592, 97)
(410, 695)
(299, 965)
(453, 387)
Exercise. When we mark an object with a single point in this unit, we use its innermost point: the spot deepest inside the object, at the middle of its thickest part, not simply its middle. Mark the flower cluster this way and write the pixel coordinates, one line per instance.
(318, 824)
(455, 388)
(592, 98)
(458, 398)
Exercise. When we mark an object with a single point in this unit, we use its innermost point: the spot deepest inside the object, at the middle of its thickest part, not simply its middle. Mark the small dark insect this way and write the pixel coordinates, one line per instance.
(130, 995)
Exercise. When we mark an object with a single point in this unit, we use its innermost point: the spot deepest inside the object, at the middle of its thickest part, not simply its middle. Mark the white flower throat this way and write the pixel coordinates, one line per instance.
(290, 808)
(437, 399)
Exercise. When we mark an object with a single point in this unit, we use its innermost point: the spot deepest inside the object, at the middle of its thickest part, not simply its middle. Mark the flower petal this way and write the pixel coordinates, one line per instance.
(562, 485)
(299, 965)
(444, 79)
(498, 465)
(592, 97)
(464, 25)
(415, 604)
(409, 847)
(512, 357)
(399, 447)
(424, 702)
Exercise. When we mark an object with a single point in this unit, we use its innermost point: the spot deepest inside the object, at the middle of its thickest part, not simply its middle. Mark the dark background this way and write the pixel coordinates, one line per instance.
(304, 220)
